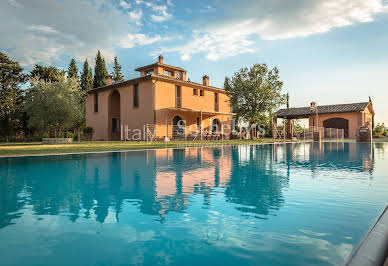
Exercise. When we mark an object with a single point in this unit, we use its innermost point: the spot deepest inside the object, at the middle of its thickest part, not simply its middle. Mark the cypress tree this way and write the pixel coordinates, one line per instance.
(288, 100)
(373, 116)
(86, 77)
(117, 75)
(100, 71)
(90, 78)
(72, 72)
(104, 67)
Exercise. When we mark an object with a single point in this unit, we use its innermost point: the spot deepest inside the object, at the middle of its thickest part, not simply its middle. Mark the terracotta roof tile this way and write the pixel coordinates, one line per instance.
(322, 109)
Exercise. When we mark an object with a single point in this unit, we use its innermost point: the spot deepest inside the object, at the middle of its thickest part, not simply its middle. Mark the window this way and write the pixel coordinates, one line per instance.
(96, 102)
(136, 95)
(201, 93)
(115, 125)
(149, 72)
(179, 75)
(216, 101)
(178, 99)
(195, 92)
(167, 73)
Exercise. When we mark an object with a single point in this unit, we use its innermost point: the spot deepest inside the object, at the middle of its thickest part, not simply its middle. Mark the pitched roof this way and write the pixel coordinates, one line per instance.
(159, 77)
(161, 65)
(322, 109)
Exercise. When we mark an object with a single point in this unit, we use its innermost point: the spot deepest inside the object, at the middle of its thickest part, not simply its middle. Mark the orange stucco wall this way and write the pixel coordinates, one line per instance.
(155, 97)
(134, 118)
(165, 98)
(98, 120)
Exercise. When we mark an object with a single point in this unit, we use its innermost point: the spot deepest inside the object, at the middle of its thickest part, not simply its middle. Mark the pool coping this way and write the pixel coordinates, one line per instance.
(150, 149)
(373, 249)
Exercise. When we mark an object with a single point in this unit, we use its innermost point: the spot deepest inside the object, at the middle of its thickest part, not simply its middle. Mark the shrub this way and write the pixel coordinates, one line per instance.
(379, 131)
(70, 135)
(88, 130)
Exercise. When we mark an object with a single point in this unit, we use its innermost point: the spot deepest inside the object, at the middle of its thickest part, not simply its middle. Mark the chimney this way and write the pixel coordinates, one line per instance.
(109, 80)
(205, 80)
(160, 59)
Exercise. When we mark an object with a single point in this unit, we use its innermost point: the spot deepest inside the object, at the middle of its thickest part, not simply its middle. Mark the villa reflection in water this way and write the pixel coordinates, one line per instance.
(161, 181)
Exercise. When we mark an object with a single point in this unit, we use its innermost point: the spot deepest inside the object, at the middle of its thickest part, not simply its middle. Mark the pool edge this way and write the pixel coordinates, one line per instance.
(150, 149)
(373, 249)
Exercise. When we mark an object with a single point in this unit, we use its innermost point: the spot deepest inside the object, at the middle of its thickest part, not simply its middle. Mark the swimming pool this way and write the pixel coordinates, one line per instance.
(284, 204)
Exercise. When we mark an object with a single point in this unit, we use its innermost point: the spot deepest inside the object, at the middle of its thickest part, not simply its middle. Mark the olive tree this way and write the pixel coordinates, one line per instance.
(255, 93)
(53, 107)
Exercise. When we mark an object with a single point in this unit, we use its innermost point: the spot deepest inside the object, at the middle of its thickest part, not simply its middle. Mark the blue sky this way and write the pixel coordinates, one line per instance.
(329, 51)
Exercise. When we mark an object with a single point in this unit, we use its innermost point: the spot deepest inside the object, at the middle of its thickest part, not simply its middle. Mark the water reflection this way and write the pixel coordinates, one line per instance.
(328, 155)
(161, 181)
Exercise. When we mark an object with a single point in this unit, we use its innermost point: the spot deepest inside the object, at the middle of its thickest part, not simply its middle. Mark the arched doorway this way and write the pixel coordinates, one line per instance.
(216, 125)
(337, 122)
(114, 115)
(178, 127)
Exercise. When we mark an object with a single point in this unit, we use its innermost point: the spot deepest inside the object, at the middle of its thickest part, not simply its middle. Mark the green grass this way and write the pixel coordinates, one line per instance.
(18, 149)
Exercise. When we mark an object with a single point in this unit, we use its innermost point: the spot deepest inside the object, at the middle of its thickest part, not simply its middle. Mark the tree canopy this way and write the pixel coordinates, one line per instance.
(11, 97)
(47, 73)
(86, 77)
(117, 74)
(72, 71)
(255, 92)
(54, 106)
(100, 72)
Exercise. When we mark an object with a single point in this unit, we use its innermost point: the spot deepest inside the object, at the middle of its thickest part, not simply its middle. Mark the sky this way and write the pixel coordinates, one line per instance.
(328, 51)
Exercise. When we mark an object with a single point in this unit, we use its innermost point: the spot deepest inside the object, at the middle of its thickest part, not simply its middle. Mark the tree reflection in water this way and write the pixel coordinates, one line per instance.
(161, 181)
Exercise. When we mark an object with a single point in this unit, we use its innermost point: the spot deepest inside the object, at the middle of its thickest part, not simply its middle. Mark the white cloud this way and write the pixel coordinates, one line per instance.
(42, 29)
(124, 4)
(169, 2)
(161, 12)
(46, 32)
(136, 16)
(14, 3)
(230, 40)
(132, 40)
(321, 17)
(272, 20)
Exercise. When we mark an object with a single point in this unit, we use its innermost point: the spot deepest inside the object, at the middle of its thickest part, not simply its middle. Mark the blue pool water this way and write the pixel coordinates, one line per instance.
(285, 204)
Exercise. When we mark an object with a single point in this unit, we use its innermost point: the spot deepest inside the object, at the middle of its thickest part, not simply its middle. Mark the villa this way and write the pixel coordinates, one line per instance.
(161, 100)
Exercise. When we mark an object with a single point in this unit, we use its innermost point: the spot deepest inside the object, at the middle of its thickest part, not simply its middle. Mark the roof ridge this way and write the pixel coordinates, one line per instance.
(324, 105)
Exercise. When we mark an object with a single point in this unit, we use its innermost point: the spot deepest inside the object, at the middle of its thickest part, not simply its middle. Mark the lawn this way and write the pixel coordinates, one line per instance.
(18, 149)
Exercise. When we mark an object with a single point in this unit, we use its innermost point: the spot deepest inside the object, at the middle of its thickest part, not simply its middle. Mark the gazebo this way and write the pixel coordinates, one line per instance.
(349, 117)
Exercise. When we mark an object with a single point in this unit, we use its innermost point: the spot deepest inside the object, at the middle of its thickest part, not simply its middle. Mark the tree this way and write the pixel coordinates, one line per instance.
(72, 71)
(11, 97)
(86, 77)
(373, 116)
(90, 78)
(54, 106)
(255, 92)
(104, 67)
(100, 71)
(117, 75)
(47, 73)
(288, 100)
(379, 130)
